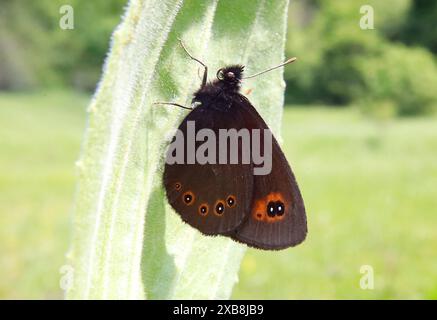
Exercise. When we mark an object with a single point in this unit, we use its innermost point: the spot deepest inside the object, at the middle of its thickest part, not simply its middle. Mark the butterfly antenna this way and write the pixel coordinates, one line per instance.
(205, 73)
(173, 104)
(291, 60)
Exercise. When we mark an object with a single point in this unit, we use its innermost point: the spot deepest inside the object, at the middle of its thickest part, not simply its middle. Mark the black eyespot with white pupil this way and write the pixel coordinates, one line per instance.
(271, 209)
(230, 201)
(280, 208)
(203, 209)
(275, 209)
(188, 198)
(220, 208)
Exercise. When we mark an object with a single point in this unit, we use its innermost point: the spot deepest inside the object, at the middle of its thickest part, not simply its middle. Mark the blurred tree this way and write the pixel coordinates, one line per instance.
(403, 77)
(35, 51)
(94, 23)
(337, 59)
(342, 64)
(420, 28)
(24, 58)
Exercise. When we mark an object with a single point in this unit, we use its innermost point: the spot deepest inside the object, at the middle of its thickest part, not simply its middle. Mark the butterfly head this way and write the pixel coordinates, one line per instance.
(231, 76)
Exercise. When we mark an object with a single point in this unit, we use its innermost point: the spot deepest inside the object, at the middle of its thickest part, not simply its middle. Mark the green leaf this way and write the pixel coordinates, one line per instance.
(128, 243)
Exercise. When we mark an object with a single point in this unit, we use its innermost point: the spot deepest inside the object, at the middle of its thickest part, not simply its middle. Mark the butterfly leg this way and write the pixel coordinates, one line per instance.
(174, 104)
(205, 73)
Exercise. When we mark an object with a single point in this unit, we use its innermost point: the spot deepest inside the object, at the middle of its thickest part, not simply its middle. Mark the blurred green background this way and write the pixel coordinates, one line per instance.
(359, 128)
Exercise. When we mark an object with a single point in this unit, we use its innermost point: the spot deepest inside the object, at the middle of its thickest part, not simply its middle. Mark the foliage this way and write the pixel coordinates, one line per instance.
(323, 34)
(339, 61)
(405, 78)
(421, 24)
(35, 52)
(128, 242)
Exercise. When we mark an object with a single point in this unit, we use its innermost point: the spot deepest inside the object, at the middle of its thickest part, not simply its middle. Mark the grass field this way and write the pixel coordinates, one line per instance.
(369, 187)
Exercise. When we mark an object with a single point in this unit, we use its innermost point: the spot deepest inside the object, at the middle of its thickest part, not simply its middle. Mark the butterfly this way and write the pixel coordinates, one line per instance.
(264, 211)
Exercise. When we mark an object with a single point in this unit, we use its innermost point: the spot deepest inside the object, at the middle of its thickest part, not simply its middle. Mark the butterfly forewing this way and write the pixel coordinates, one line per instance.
(213, 198)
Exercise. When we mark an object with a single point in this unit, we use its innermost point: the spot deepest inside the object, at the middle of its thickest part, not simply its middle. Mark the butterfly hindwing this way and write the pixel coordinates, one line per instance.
(213, 198)
(277, 217)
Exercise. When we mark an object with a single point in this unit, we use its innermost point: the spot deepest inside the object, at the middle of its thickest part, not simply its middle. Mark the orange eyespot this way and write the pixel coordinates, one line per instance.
(219, 208)
(188, 198)
(270, 209)
(203, 209)
(178, 186)
(230, 201)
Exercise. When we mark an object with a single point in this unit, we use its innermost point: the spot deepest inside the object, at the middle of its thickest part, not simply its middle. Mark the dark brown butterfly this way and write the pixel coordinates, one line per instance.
(262, 211)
